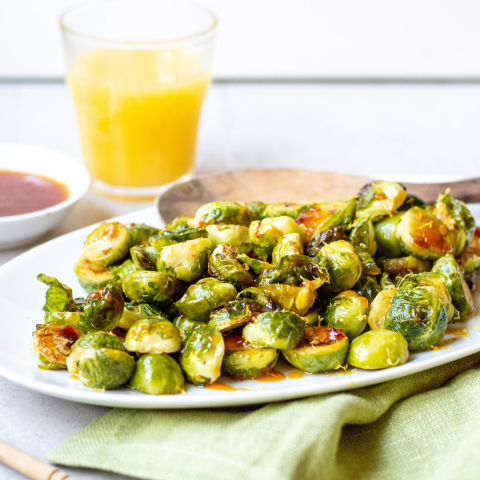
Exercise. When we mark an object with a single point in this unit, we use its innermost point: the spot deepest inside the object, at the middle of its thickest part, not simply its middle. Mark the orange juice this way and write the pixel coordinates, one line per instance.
(138, 112)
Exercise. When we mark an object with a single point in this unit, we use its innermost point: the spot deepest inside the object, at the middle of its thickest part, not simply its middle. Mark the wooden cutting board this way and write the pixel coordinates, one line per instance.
(287, 185)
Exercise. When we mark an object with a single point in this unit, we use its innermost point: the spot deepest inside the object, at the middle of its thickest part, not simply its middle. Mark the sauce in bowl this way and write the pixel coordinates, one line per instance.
(25, 193)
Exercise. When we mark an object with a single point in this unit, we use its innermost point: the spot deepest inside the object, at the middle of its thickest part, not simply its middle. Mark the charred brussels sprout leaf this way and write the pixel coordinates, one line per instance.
(233, 235)
(420, 315)
(205, 296)
(140, 233)
(322, 349)
(224, 265)
(386, 282)
(378, 349)
(153, 335)
(255, 295)
(280, 329)
(202, 357)
(362, 237)
(144, 257)
(166, 237)
(367, 287)
(387, 237)
(242, 361)
(58, 295)
(152, 287)
(104, 308)
(380, 307)
(92, 277)
(186, 261)
(224, 213)
(270, 230)
(290, 244)
(349, 312)
(107, 244)
(380, 198)
(234, 314)
(158, 375)
(404, 265)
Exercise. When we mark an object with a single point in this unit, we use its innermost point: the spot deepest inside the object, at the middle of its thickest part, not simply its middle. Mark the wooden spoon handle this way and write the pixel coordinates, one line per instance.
(28, 465)
(466, 190)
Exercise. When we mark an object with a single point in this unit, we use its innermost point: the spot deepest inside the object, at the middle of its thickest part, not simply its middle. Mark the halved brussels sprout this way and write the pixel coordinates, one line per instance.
(457, 218)
(404, 265)
(290, 244)
(140, 233)
(223, 213)
(58, 295)
(423, 235)
(292, 210)
(202, 357)
(343, 265)
(227, 234)
(92, 277)
(379, 308)
(270, 230)
(186, 326)
(469, 259)
(158, 375)
(367, 287)
(289, 297)
(362, 237)
(179, 223)
(386, 282)
(349, 312)
(107, 244)
(256, 295)
(166, 237)
(124, 269)
(387, 237)
(133, 312)
(186, 261)
(97, 340)
(242, 361)
(152, 287)
(280, 329)
(257, 208)
(205, 296)
(255, 256)
(153, 335)
(144, 257)
(74, 319)
(311, 318)
(234, 314)
(322, 349)
(224, 265)
(103, 309)
(420, 315)
(52, 345)
(378, 349)
(380, 198)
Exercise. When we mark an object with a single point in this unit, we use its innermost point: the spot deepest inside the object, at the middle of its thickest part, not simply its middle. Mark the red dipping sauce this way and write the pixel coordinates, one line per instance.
(25, 193)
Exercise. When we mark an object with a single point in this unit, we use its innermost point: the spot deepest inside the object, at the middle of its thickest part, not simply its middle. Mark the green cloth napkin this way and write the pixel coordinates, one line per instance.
(424, 426)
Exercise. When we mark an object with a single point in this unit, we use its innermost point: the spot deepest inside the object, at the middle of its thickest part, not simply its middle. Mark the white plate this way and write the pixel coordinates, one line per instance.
(22, 298)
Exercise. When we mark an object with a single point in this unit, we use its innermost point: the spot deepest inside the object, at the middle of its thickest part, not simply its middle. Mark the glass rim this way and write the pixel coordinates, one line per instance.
(185, 38)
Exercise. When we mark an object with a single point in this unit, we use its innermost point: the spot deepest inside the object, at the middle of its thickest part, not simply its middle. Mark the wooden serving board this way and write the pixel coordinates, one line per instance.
(286, 185)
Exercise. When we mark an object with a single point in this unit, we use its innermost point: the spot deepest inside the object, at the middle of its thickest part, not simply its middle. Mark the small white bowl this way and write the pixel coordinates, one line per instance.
(18, 230)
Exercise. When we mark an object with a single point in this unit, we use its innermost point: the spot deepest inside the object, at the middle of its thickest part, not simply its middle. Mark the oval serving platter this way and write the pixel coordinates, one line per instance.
(22, 298)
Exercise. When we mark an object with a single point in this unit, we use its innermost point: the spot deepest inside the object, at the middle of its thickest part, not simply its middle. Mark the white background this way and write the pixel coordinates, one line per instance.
(291, 39)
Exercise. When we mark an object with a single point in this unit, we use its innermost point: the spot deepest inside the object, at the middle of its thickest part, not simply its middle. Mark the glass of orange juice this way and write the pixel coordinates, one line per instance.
(138, 71)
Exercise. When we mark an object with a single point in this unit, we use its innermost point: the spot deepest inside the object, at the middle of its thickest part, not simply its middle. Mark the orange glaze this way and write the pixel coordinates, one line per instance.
(74, 377)
(457, 332)
(226, 388)
(271, 376)
(235, 342)
(313, 217)
(432, 237)
(297, 374)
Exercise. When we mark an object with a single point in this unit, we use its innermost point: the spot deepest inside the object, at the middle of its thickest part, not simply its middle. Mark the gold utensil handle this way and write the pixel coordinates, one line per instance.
(28, 465)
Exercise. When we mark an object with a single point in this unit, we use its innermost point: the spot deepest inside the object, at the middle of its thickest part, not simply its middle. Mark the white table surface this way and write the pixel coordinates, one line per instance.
(406, 132)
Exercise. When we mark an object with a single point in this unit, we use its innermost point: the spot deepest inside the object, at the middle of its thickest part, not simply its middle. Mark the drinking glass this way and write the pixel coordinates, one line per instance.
(138, 71)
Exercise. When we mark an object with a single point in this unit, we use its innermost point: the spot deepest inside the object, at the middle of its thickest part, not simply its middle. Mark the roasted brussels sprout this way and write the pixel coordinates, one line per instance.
(74, 319)
(292, 210)
(52, 344)
(379, 308)
(290, 297)
(254, 256)
(457, 218)
(311, 318)
(140, 233)
(166, 237)
(152, 287)
(178, 224)
(411, 201)
(378, 349)
(242, 361)
(133, 312)
(256, 295)
(257, 208)
(280, 329)
(202, 357)
(380, 198)
(234, 314)
(58, 295)
(205, 296)
(423, 235)
(343, 265)
(186, 261)
(107, 244)
(153, 335)
(322, 349)
(97, 340)
(290, 244)
(158, 375)
(124, 269)
(270, 230)
(404, 265)
(92, 277)
(223, 213)
(386, 281)
(367, 287)
(186, 326)
(387, 237)
(348, 311)
(103, 309)
(233, 235)
(144, 257)
(420, 315)
(362, 237)
(224, 265)
(469, 259)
